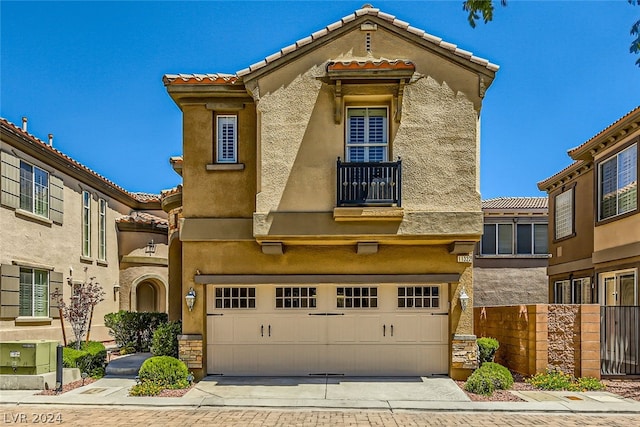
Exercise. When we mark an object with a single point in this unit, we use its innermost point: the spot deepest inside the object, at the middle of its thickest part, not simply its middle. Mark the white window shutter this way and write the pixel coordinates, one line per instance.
(9, 180)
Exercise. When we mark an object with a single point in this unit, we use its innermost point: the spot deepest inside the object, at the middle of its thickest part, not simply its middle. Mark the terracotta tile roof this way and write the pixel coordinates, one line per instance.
(171, 79)
(140, 197)
(545, 184)
(371, 64)
(144, 218)
(515, 203)
(147, 197)
(221, 79)
(170, 191)
(636, 111)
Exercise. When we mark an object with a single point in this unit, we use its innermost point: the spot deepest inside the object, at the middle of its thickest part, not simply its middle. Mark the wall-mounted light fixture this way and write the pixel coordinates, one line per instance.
(116, 291)
(151, 247)
(464, 299)
(190, 298)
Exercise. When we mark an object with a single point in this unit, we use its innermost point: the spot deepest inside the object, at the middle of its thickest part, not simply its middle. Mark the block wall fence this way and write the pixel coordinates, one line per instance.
(534, 337)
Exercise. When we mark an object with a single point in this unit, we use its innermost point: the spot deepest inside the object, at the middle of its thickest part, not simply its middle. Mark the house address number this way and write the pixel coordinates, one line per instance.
(465, 258)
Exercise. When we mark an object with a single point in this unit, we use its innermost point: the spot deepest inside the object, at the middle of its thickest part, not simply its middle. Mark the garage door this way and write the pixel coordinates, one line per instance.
(327, 329)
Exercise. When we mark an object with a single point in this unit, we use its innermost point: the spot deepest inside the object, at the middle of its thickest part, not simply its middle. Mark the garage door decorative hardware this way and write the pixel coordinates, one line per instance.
(326, 314)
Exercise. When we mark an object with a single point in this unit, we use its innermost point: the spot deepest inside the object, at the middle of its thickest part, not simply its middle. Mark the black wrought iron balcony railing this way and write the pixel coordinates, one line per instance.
(369, 183)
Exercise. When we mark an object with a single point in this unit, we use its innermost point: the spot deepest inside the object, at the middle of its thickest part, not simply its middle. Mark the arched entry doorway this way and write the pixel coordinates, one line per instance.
(149, 294)
(147, 298)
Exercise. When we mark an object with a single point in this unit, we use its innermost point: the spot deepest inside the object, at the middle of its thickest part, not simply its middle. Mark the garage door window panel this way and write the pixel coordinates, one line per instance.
(241, 298)
(419, 297)
(296, 297)
(357, 297)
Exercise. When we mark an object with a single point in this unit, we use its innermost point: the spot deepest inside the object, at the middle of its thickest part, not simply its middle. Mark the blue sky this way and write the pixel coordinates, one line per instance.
(91, 74)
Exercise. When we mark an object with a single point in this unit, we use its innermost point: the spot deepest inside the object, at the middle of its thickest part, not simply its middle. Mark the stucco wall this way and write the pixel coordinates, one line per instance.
(300, 141)
(510, 286)
(60, 246)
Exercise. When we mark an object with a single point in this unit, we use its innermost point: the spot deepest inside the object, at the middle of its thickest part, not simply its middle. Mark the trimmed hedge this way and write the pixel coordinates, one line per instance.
(487, 348)
(133, 331)
(488, 378)
(158, 373)
(165, 339)
(91, 357)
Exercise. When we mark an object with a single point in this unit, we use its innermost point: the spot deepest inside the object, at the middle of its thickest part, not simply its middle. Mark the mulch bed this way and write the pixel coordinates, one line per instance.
(624, 388)
(67, 387)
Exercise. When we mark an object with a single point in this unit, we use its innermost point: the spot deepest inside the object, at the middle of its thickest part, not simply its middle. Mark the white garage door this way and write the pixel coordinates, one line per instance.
(327, 329)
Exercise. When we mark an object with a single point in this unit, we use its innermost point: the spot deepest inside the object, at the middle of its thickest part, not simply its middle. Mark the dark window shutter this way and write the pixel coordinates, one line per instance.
(9, 291)
(55, 283)
(9, 180)
(56, 199)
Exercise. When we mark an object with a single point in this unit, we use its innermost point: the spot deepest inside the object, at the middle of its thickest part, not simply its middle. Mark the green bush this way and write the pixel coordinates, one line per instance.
(555, 379)
(90, 358)
(165, 371)
(165, 339)
(488, 378)
(487, 348)
(133, 330)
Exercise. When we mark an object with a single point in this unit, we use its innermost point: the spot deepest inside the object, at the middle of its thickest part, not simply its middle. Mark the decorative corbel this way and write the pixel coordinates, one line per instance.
(337, 98)
(482, 87)
(399, 94)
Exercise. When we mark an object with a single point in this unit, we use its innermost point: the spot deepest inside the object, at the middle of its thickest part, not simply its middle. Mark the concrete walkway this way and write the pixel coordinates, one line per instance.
(417, 393)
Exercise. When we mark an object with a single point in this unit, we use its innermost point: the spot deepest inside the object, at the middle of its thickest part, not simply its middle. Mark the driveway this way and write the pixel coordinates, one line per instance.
(365, 392)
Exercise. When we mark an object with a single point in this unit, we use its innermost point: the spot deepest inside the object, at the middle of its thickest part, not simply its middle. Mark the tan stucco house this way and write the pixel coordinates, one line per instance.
(62, 223)
(594, 220)
(330, 206)
(510, 262)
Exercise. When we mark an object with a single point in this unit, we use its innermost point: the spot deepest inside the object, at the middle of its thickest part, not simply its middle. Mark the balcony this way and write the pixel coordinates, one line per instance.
(369, 183)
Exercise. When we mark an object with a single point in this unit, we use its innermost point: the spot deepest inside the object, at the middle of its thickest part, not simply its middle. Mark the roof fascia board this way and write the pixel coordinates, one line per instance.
(62, 165)
(564, 177)
(202, 92)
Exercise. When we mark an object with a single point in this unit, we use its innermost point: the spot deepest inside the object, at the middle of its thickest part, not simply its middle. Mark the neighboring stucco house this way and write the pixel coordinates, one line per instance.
(594, 220)
(510, 263)
(330, 206)
(62, 223)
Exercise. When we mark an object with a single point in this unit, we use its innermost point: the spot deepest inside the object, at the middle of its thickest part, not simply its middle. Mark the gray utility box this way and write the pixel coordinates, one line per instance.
(28, 357)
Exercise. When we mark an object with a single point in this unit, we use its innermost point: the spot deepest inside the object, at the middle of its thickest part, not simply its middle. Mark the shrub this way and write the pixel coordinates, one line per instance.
(165, 339)
(164, 371)
(145, 389)
(133, 330)
(90, 358)
(487, 348)
(488, 378)
(555, 379)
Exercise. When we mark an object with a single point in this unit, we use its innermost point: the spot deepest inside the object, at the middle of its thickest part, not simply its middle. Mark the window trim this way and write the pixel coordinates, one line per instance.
(33, 185)
(572, 189)
(598, 182)
(218, 148)
(86, 224)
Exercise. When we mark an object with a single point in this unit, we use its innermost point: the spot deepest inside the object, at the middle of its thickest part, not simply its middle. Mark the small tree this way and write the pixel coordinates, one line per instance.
(79, 311)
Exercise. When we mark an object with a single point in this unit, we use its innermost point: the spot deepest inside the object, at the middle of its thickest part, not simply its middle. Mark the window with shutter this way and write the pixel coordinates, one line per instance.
(367, 134)
(9, 180)
(227, 139)
(34, 293)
